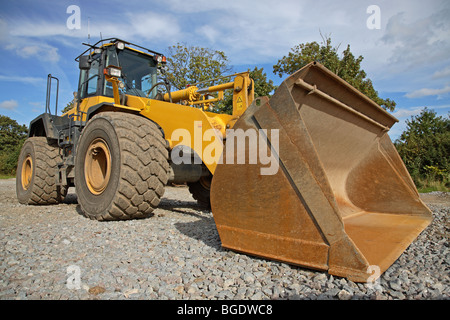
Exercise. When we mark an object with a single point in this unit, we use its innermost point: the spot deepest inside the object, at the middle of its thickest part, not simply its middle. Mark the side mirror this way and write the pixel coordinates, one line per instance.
(84, 63)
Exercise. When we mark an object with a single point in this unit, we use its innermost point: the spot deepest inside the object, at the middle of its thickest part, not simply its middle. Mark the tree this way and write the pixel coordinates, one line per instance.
(68, 107)
(11, 133)
(263, 87)
(425, 146)
(12, 137)
(347, 66)
(190, 64)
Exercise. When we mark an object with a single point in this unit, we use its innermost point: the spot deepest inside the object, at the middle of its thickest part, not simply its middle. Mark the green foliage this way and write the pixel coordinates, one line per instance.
(12, 137)
(69, 106)
(190, 64)
(263, 87)
(346, 66)
(425, 148)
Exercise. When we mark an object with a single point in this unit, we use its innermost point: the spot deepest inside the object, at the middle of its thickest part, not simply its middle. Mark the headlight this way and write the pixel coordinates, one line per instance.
(113, 71)
(120, 45)
(160, 59)
(157, 58)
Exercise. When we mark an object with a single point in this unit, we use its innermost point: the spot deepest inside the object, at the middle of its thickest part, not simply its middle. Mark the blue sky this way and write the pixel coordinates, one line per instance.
(407, 58)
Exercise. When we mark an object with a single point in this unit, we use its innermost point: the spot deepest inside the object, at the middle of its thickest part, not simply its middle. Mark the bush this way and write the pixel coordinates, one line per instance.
(12, 137)
(425, 147)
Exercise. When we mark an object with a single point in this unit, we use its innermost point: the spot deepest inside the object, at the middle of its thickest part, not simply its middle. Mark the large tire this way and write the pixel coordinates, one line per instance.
(200, 190)
(121, 167)
(37, 172)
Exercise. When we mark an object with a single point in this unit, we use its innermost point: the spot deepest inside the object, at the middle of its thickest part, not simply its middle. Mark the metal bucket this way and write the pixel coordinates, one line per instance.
(341, 198)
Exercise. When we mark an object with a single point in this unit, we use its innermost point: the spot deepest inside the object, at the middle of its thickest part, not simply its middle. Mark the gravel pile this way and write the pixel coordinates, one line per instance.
(53, 252)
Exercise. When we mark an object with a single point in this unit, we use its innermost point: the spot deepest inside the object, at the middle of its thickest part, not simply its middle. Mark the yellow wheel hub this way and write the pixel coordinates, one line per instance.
(97, 166)
(27, 172)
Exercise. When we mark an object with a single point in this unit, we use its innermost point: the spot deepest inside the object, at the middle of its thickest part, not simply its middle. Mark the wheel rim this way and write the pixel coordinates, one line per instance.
(97, 166)
(27, 172)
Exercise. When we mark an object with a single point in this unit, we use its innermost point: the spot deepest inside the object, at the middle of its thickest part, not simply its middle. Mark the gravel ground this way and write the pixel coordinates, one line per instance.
(53, 252)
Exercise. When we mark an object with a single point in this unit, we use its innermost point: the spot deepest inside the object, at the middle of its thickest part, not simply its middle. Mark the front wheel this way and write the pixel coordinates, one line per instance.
(37, 173)
(201, 189)
(121, 167)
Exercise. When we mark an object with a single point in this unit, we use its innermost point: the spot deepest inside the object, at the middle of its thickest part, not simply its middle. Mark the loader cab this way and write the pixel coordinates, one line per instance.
(139, 71)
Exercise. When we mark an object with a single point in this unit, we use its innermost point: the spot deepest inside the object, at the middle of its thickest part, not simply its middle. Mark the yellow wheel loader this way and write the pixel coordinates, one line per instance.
(309, 177)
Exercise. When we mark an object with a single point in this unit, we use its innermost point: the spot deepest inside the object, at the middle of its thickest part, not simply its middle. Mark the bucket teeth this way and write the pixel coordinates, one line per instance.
(339, 197)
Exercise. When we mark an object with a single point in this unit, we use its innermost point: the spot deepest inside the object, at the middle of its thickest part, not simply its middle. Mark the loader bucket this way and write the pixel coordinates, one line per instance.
(341, 199)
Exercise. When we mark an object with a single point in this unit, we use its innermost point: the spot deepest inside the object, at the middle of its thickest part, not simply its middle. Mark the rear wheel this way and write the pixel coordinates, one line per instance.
(121, 167)
(37, 172)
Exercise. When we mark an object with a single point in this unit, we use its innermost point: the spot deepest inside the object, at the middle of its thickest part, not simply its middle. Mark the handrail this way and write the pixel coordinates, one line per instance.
(49, 91)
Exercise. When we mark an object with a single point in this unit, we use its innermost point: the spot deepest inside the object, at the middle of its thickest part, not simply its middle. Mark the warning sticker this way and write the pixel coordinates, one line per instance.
(239, 103)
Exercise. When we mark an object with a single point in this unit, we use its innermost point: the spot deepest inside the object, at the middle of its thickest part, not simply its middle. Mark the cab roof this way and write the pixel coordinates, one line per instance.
(115, 41)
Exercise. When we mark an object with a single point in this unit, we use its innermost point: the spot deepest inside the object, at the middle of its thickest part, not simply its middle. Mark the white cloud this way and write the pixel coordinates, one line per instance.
(428, 92)
(42, 51)
(211, 33)
(27, 80)
(413, 34)
(8, 104)
(413, 111)
(154, 25)
(252, 32)
(37, 107)
(33, 49)
(419, 41)
(257, 31)
(31, 40)
(405, 113)
(37, 29)
(248, 32)
(442, 73)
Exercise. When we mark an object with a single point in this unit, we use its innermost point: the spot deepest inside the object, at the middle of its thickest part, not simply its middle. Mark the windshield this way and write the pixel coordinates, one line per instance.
(139, 72)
